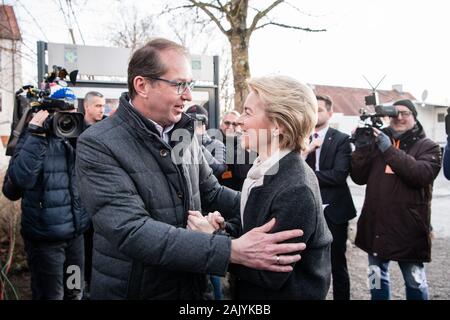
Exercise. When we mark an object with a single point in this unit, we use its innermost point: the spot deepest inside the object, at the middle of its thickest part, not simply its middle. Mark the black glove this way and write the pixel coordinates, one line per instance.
(363, 137)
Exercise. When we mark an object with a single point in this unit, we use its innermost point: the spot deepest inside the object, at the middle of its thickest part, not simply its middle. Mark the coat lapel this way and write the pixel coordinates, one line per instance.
(327, 141)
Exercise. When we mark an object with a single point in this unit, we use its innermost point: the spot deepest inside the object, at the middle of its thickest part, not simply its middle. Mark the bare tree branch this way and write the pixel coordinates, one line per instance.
(204, 7)
(170, 10)
(303, 12)
(222, 8)
(238, 34)
(206, 4)
(135, 33)
(262, 14)
(289, 27)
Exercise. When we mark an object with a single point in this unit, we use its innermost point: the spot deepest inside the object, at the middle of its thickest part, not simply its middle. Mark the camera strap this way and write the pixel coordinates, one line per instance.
(14, 138)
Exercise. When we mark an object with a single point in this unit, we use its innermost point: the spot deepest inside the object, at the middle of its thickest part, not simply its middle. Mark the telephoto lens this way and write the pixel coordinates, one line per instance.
(68, 124)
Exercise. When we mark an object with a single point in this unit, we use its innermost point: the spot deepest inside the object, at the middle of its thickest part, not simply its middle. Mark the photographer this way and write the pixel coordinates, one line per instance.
(399, 170)
(53, 220)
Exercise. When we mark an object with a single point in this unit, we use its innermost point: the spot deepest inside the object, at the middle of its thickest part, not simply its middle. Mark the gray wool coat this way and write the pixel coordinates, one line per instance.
(138, 199)
(292, 197)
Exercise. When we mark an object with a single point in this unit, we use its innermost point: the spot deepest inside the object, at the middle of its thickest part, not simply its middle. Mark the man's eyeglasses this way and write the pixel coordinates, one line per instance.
(405, 113)
(181, 86)
(229, 123)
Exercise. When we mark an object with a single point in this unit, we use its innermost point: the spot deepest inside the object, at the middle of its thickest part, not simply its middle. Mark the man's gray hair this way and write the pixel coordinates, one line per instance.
(92, 94)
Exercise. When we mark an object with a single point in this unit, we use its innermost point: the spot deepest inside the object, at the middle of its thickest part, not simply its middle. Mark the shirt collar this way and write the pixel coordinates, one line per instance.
(162, 131)
(322, 133)
(260, 167)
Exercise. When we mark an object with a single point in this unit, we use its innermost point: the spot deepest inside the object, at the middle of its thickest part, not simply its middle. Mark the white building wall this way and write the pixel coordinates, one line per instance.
(10, 82)
(428, 117)
(344, 123)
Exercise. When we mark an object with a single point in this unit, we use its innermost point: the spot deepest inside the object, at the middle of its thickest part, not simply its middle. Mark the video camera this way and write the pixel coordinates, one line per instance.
(54, 97)
(363, 135)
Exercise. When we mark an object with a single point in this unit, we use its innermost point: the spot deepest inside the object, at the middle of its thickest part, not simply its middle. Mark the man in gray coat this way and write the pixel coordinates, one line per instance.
(138, 182)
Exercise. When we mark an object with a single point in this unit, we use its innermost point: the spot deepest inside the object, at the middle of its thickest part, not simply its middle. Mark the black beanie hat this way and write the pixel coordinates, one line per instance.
(409, 104)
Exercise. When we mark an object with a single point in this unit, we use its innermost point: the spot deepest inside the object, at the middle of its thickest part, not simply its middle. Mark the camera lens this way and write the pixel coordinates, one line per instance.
(67, 124)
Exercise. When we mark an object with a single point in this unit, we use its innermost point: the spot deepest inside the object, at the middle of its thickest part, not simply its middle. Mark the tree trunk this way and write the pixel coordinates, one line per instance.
(241, 69)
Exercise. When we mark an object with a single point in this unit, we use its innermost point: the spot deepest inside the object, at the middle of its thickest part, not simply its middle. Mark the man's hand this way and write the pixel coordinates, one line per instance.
(260, 250)
(382, 140)
(313, 146)
(39, 118)
(36, 124)
(316, 144)
(197, 222)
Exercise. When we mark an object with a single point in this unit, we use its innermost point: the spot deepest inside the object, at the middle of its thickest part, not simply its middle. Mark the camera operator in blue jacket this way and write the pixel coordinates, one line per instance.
(53, 219)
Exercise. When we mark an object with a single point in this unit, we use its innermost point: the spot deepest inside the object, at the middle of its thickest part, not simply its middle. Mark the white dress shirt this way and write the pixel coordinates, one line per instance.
(163, 132)
(321, 135)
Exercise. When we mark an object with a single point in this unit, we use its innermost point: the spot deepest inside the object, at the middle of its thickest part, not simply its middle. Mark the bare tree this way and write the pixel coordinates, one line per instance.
(195, 32)
(133, 31)
(232, 19)
(192, 31)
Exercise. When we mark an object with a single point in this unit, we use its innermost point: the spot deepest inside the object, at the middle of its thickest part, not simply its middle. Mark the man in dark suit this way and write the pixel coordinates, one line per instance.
(329, 156)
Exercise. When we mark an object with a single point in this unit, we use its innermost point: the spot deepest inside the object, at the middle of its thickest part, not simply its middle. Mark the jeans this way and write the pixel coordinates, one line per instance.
(56, 268)
(413, 274)
(217, 286)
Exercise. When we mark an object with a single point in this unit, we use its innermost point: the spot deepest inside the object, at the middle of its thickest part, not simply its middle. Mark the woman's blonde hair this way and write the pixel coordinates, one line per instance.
(291, 104)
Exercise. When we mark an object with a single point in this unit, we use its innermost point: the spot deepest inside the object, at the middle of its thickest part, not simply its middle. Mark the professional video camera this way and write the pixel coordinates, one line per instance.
(54, 97)
(364, 135)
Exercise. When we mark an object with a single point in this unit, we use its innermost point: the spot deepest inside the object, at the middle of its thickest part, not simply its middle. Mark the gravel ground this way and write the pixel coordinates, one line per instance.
(437, 271)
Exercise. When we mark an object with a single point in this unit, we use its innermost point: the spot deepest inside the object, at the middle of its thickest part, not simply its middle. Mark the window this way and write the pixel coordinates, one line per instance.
(441, 117)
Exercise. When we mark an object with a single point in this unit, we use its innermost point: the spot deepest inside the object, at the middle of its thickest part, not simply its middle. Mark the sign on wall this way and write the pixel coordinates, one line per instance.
(113, 62)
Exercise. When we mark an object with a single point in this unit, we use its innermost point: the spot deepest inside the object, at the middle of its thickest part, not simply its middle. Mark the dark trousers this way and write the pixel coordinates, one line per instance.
(56, 268)
(339, 271)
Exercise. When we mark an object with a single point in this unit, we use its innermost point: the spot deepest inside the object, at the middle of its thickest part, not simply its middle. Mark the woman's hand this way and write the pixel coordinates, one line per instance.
(216, 220)
(197, 222)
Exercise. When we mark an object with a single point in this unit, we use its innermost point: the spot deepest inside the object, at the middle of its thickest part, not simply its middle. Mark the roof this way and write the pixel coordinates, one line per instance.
(9, 29)
(349, 101)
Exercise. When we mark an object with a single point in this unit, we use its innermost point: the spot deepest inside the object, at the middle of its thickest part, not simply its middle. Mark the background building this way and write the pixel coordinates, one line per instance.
(10, 69)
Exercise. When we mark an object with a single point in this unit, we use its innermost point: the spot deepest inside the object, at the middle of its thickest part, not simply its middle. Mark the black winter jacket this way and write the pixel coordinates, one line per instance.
(44, 168)
(395, 219)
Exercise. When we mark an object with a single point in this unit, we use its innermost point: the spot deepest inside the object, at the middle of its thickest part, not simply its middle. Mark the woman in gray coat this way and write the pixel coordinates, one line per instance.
(279, 115)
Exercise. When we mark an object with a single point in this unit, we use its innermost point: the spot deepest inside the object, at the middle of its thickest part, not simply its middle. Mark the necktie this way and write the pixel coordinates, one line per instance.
(311, 158)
